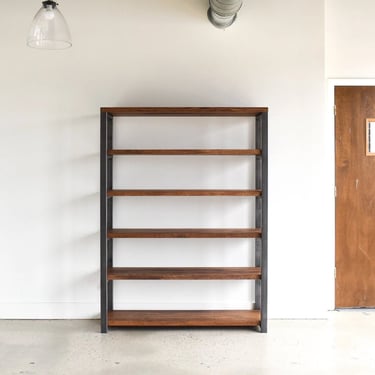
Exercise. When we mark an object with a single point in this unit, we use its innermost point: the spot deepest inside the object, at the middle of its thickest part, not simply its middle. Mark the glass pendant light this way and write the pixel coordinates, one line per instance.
(49, 29)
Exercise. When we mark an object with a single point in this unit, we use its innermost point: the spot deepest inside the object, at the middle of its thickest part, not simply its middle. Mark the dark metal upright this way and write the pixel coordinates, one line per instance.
(261, 219)
(106, 244)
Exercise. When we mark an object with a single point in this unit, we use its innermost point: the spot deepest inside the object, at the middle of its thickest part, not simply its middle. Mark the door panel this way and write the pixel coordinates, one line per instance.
(355, 198)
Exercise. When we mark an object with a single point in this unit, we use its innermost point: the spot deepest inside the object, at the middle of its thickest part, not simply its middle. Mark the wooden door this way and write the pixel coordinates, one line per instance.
(355, 198)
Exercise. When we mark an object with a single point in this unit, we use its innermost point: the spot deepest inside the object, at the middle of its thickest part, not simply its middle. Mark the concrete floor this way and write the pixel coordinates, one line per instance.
(343, 344)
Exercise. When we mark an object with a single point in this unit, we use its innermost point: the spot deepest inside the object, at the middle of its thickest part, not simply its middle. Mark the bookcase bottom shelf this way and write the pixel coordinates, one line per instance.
(184, 318)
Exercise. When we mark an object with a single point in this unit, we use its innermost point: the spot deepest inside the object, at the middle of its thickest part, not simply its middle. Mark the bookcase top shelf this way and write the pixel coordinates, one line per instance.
(184, 111)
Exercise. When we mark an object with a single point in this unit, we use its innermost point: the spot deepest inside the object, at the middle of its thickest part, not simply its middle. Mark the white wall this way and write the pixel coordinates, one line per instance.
(350, 39)
(163, 52)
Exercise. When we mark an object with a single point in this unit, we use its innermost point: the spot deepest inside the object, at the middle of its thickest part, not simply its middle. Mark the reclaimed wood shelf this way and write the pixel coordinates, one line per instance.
(183, 193)
(184, 273)
(257, 273)
(202, 152)
(185, 233)
(183, 318)
(184, 111)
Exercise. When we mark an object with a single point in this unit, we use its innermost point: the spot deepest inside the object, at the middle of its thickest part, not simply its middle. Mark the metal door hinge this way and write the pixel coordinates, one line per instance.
(335, 272)
(335, 192)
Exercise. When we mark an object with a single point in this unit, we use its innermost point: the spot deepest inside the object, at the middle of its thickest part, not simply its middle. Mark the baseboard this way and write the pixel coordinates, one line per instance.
(49, 310)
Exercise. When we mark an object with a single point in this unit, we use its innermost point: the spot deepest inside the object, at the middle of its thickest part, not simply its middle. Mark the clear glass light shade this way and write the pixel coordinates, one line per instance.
(49, 30)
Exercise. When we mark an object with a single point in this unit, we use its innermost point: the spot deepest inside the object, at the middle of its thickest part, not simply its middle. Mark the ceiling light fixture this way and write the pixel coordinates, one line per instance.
(49, 29)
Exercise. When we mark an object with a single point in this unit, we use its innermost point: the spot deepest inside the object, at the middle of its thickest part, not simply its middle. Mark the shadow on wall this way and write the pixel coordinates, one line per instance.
(183, 96)
(71, 208)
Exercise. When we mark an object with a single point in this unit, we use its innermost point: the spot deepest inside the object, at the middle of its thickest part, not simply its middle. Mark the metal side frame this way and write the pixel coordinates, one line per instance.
(261, 218)
(106, 207)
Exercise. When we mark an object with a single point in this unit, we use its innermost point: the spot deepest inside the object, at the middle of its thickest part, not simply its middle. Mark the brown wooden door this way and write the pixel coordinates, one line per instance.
(355, 198)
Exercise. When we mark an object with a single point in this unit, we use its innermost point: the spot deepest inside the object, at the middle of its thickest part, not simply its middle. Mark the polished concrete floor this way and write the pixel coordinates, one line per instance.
(343, 344)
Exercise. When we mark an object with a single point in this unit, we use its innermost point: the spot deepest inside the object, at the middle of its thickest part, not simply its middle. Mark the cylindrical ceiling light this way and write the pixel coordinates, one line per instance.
(49, 29)
(222, 13)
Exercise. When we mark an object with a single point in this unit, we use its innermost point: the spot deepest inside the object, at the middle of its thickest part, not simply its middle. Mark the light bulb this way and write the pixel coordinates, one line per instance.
(49, 14)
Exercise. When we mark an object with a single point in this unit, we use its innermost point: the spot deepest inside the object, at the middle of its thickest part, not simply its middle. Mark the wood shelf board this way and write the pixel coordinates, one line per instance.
(184, 111)
(184, 318)
(185, 192)
(184, 273)
(185, 233)
(213, 152)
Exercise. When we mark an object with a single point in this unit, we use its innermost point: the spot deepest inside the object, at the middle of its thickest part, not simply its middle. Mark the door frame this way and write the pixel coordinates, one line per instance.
(330, 134)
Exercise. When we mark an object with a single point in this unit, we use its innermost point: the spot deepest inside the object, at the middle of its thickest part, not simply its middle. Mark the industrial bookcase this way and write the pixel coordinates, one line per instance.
(110, 317)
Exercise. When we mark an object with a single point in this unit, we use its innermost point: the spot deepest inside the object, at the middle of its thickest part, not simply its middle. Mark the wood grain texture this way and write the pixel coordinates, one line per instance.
(176, 152)
(184, 318)
(182, 193)
(184, 273)
(184, 111)
(185, 233)
(355, 199)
